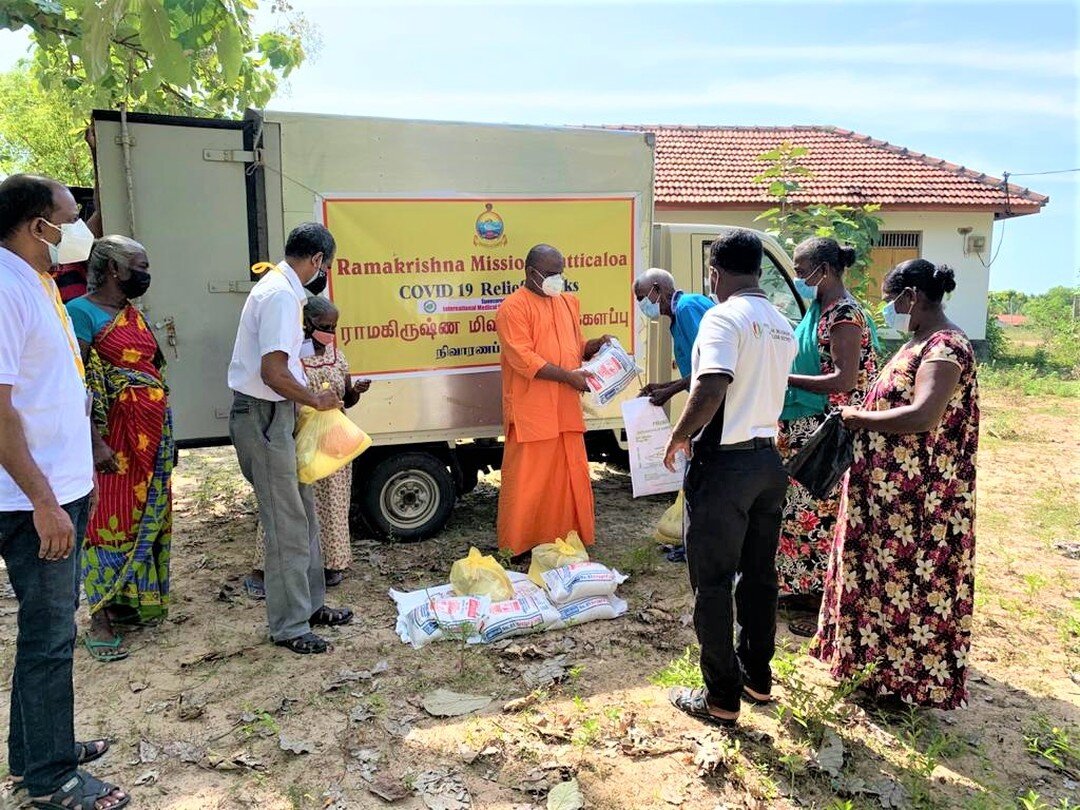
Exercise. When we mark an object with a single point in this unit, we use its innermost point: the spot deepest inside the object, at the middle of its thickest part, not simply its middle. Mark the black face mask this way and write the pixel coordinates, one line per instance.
(317, 284)
(136, 285)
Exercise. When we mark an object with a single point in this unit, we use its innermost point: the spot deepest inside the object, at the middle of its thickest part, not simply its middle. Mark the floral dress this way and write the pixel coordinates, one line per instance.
(806, 534)
(900, 584)
(333, 494)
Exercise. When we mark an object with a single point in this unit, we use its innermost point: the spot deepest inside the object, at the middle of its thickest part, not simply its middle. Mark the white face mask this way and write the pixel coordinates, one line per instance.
(554, 286)
(900, 321)
(76, 240)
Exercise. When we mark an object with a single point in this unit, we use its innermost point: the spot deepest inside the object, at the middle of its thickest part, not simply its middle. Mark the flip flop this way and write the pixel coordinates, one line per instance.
(694, 703)
(99, 649)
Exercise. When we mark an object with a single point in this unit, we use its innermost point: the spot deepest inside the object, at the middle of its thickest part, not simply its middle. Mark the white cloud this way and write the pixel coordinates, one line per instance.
(990, 56)
(811, 97)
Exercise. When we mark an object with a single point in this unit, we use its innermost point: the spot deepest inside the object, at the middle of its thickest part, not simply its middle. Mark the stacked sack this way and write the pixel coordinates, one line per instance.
(483, 603)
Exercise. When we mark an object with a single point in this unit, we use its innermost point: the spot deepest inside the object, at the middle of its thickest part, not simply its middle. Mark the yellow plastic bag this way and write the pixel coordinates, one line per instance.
(325, 442)
(480, 575)
(549, 556)
(670, 528)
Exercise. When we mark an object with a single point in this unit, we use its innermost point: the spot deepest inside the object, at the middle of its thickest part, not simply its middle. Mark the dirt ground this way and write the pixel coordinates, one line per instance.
(203, 710)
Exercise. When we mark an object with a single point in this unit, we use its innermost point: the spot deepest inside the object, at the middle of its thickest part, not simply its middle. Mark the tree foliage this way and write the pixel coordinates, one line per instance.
(42, 132)
(170, 56)
(857, 226)
(1006, 302)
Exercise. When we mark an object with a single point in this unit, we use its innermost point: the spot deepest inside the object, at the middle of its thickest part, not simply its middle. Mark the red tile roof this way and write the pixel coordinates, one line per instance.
(1012, 320)
(715, 166)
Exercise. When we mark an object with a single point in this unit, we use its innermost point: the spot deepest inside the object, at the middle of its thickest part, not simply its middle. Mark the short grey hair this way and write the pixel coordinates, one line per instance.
(318, 305)
(113, 248)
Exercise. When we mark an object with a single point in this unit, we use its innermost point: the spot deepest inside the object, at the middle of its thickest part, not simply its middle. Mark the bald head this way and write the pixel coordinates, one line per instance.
(656, 285)
(542, 261)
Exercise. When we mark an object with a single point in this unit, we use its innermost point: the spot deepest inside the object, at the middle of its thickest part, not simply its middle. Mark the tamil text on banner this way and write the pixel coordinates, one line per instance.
(417, 281)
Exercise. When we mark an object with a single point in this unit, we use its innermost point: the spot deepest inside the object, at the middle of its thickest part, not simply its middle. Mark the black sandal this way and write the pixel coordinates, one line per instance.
(307, 644)
(330, 617)
(333, 578)
(750, 697)
(85, 752)
(82, 792)
(694, 703)
(804, 628)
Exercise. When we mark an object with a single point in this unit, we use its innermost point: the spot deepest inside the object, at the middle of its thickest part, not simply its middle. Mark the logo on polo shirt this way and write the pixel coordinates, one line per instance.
(757, 329)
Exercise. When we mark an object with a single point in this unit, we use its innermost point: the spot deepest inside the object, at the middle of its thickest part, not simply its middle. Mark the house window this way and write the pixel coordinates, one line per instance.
(891, 248)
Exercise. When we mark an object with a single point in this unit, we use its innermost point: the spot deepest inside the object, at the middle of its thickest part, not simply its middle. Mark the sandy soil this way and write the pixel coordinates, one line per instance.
(198, 711)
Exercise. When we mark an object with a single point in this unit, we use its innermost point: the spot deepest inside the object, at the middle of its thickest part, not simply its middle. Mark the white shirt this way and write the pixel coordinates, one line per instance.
(48, 393)
(747, 339)
(272, 321)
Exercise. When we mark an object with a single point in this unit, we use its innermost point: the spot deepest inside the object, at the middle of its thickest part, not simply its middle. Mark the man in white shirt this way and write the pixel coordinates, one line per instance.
(268, 383)
(735, 482)
(46, 484)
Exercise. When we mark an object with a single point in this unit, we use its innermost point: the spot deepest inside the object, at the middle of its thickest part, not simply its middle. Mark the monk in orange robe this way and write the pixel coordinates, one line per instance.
(546, 489)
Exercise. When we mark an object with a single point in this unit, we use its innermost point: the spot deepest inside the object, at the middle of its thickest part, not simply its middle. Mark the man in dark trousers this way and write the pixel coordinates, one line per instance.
(46, 485)
(735, 482)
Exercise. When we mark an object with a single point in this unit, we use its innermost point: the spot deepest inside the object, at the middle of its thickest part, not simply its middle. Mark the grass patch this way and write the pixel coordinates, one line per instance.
(1054, 514)
(683, 671)
(1057, 746)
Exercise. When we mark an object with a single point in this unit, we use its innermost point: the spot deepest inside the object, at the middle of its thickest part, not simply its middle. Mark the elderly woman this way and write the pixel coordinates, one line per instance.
(835, 365)
(900, 583)
(125, 556)
(333, 495)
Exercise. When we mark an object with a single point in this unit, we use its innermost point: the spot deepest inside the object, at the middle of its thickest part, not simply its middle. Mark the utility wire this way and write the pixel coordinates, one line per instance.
(1037, 174)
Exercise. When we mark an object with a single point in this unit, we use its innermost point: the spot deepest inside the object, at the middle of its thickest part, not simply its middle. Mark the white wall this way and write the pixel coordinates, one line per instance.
(941, 244)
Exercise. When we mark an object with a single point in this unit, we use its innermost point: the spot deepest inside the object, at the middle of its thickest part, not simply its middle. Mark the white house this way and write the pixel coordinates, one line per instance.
(929, 207)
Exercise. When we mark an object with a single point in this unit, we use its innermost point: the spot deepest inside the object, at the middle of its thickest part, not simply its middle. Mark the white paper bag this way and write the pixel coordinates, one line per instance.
(647, 432)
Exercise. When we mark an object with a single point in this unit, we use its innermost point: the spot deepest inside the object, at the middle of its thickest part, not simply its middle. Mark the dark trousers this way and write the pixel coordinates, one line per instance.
(41, 739)
(734, 501)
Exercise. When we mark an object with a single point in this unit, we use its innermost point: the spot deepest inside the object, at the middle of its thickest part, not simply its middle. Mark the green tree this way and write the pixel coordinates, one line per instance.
(171, 56)
(1007, 302)
(857, 226)
(42, 132)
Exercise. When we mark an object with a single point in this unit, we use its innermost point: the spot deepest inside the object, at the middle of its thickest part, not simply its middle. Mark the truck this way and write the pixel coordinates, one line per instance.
(433, 221)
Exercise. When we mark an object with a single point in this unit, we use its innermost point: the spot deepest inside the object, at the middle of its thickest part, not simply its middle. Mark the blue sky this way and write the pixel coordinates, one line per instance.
(993, 86)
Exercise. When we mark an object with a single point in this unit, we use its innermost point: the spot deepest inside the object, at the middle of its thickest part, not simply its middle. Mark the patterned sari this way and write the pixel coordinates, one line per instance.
(127, 548)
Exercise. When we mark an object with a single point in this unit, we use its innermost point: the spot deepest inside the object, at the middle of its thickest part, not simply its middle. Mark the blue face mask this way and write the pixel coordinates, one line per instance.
(805, 290)
(650, 309)
(900, 321)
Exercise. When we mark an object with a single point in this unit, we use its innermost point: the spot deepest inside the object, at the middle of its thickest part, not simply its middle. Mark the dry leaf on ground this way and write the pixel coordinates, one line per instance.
(444, 703)
(566, 796)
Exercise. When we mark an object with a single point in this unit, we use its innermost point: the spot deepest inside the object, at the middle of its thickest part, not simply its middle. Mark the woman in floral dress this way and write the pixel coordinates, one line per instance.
(899, 588)
(836, 364)
(327, 366)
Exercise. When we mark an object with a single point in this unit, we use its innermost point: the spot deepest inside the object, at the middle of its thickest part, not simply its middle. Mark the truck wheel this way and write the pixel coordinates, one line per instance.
(408, 497)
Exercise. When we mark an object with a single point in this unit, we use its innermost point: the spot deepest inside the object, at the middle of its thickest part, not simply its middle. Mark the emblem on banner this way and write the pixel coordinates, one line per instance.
(490, 229)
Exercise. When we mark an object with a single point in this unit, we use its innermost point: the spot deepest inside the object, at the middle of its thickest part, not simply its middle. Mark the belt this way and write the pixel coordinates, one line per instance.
(759, 443)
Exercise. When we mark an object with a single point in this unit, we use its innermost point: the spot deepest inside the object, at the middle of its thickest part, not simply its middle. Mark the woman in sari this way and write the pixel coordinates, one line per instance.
(899, 590)
(125, 555)
(327, 366)
(835, 366)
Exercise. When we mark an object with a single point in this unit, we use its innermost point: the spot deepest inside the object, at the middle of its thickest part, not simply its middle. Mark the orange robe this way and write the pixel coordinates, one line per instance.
(546, 489)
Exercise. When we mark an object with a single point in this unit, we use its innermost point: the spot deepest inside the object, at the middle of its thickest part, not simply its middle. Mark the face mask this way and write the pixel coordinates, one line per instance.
(317, 284)
(75, 243)
(900, 321)
(324, 338)
(136, 285)
(650, 309)
(805, 289)
(554, 286)
(713, 298)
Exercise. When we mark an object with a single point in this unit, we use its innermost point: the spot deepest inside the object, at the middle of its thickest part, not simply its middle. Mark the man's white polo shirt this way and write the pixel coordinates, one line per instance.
(47, 391)
(747, 339)
(272, 321)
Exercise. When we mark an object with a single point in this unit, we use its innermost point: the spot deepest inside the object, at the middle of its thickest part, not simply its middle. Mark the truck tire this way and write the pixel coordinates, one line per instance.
(408, 497)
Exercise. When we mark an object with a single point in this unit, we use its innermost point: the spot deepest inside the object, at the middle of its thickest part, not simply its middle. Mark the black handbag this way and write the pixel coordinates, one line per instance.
(822, 461)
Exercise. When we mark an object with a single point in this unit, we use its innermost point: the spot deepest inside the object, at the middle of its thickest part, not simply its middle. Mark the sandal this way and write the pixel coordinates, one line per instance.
(330, 617)
(254, 588)
(333, 578)
(756, 697)
(83, 792)
(99, 650)
(804, 628)
(695, 703)
(84, 752)
(307, 644)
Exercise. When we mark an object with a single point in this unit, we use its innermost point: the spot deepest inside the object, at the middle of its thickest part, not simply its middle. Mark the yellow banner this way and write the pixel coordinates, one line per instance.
(417, 281)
